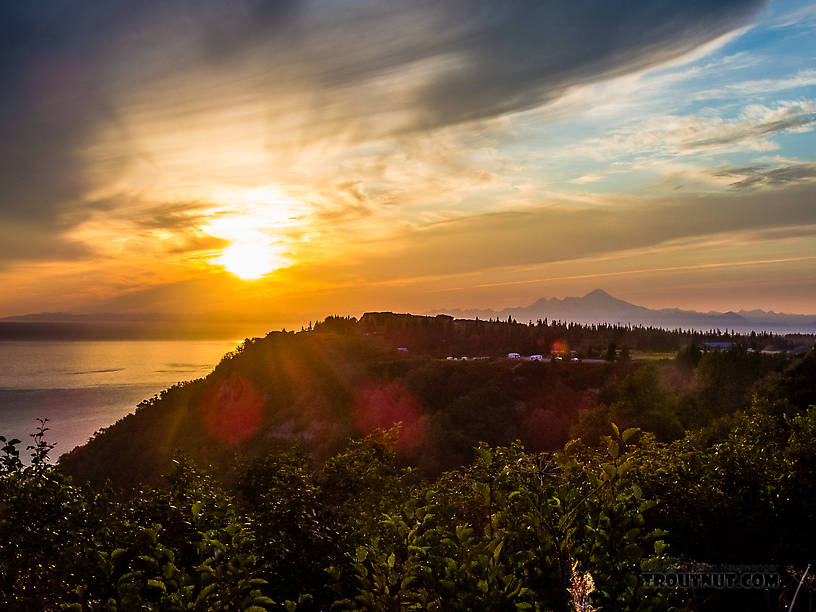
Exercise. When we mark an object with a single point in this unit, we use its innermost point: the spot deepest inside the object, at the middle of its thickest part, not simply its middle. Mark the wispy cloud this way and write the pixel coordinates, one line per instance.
(751, 130)
(94, 96)
(587, 178)
(756, 176)
(801, 17)
(649, 271)
(803, 78)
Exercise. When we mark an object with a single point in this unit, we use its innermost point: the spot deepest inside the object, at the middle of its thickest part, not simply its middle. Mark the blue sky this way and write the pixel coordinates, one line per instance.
(751, 74)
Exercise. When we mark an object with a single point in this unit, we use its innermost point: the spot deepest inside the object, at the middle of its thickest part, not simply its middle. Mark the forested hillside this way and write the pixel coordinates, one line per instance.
(346, 378)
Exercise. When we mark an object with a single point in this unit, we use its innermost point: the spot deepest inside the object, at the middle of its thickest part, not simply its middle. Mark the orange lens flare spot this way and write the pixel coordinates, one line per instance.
(382, 405)
(233, 410)
(559, 347)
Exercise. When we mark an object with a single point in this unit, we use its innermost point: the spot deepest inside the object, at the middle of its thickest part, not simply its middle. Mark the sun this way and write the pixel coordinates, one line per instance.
(249, 261)
(255, 222)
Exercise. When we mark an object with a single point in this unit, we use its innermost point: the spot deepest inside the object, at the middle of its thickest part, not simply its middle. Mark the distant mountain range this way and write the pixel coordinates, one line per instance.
(600, 307)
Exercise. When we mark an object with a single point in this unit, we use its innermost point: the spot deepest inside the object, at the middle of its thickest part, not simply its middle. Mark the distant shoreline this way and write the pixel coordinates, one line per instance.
(119, 331)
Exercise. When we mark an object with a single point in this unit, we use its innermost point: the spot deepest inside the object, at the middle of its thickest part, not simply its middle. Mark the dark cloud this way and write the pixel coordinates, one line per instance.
(26, 242)
(739, 170)
(479, 59)
(66, 66)
(520, 54)
(756, 176)
(49, 104)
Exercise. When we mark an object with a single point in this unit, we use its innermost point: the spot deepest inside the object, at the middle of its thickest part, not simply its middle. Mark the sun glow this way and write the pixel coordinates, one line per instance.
(250, 260)
(256, 222)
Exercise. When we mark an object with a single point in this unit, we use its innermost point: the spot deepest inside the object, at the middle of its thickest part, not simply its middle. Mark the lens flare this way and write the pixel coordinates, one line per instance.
(383, 405)
(233, 410)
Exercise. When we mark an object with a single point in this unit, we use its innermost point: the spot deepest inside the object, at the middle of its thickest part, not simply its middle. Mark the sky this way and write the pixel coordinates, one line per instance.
(292, 159)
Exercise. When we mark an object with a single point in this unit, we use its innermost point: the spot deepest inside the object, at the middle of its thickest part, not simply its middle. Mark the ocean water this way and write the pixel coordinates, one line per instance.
(84, 386)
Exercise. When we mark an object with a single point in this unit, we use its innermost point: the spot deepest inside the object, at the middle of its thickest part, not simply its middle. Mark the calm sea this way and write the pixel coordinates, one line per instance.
(83, 386)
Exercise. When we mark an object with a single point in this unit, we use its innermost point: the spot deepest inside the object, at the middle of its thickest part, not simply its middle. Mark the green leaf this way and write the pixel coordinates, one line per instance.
(392, 559)
(483, 489)
(263, 600)
(149, 561)
(463, 532)
(114, 557)
(485, 456)
(168, 570)
(659, 546)
(497, 550)
(205, 593)
(629, 433)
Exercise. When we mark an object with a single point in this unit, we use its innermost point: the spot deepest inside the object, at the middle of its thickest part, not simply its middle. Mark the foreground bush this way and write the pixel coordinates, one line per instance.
(514, 530)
